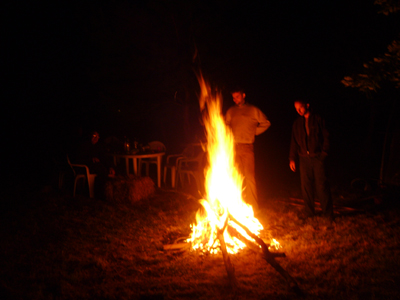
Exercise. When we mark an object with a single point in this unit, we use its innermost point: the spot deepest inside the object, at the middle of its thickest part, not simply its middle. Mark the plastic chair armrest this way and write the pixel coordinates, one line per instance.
(172, 156)
(82, 166)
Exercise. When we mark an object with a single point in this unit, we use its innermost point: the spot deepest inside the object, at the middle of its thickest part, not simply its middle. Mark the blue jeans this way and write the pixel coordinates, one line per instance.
(314, 181)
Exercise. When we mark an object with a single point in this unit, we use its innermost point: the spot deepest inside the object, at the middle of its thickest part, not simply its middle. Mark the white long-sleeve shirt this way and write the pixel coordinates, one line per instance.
(246, 122)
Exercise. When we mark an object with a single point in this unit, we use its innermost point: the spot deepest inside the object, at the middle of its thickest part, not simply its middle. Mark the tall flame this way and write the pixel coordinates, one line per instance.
(223, 182)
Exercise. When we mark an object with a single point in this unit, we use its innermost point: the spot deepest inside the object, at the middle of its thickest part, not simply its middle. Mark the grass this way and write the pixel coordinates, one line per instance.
(59, 247)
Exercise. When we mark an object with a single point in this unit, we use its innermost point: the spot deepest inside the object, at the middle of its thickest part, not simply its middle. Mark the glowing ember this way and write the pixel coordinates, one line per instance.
(223, 183)
(274, 244)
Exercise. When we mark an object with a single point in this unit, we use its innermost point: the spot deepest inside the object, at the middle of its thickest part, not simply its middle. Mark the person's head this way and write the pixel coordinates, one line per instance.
(302, 107)
(238, 96)
(94, 137)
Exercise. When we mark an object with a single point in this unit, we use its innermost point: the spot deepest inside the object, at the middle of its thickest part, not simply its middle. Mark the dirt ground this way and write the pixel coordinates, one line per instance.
(54, 246)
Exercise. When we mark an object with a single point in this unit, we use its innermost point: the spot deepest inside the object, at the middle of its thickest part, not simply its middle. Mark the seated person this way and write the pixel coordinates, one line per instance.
(93, 154)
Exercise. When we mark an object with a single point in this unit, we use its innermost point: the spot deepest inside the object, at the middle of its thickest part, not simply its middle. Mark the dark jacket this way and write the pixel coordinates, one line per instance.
(316, 144)
(87, 151)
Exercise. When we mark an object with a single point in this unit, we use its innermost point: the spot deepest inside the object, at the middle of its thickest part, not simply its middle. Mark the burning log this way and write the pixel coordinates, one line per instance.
(252, 246)
(267, 255)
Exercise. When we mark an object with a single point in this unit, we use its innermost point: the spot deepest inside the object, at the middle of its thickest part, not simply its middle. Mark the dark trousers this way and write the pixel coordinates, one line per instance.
(314, 181)
(102, 175)
(245, 160)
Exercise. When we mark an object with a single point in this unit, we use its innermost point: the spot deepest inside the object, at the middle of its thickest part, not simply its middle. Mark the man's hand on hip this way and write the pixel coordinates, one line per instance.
(292, 165)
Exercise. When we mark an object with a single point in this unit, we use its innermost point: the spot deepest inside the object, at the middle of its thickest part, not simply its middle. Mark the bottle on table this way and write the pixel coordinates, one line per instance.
(126, 146)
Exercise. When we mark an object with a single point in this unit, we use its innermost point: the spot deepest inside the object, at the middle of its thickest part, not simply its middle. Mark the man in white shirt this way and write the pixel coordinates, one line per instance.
(246, 121)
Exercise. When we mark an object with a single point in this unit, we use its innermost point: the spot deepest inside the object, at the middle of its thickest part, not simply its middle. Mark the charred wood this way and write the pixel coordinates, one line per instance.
(230, 269)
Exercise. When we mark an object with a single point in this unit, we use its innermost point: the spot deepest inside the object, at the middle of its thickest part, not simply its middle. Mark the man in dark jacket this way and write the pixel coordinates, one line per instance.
(310, 145)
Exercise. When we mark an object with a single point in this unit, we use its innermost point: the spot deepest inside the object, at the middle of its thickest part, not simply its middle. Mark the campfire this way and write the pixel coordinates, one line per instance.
(223, 201)
(226, 223)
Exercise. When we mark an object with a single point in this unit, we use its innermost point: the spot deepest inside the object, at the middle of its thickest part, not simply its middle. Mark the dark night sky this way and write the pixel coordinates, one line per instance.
(126, 68)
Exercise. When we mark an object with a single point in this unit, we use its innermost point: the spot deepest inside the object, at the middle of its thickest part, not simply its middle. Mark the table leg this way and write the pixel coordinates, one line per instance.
(173, 175)
(127, 165)
(135, 166)
(159, 170)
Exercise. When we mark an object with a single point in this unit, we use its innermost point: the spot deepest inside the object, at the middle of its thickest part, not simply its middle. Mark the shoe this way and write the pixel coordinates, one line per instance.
(302, 215)
(328, 222)
(329, 218)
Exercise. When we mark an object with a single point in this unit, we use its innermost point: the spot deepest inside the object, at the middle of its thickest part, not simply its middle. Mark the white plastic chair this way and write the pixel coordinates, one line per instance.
(191, 165)
(85, 175)
(155, 146)
(172, 164)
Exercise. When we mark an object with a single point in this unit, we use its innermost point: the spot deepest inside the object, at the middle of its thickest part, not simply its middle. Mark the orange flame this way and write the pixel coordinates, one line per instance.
(223, 183)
